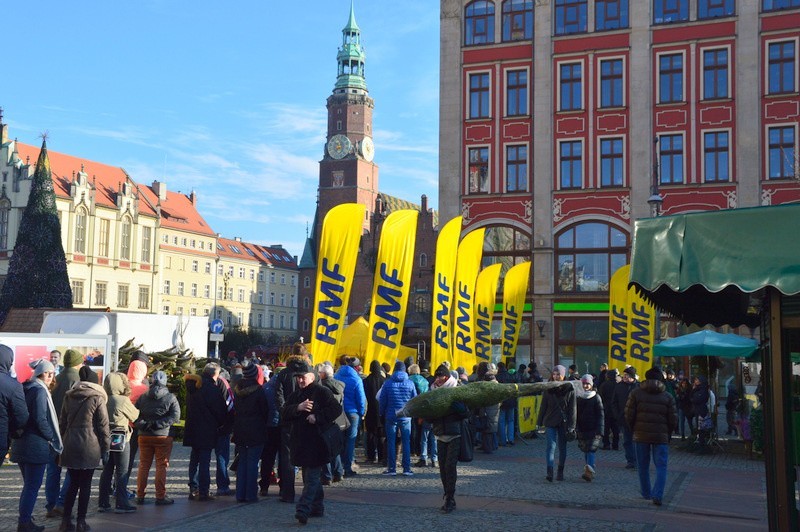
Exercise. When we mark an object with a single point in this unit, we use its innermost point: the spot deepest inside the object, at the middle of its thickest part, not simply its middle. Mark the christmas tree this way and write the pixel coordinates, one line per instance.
(37, 274)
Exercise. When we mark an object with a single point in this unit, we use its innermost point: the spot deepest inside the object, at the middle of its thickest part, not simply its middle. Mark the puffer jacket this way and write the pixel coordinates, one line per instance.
(252, 411)
(158, 411)
(137, 373)
(591, 415)
(273, 414)
(651, 413)
(121, 412)
(84, 426)
(355, 400)
(394, 394)
(40, 437)
(558, 407)
(206, 412)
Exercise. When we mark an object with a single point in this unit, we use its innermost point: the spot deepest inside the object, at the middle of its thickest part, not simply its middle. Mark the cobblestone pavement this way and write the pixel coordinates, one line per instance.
(500, 491)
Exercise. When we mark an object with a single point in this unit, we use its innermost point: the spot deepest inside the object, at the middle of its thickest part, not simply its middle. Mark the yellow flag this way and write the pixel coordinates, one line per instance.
(485, 295)
(631, 326)
(528, 412)
(443, 293)
(515, 287)
(468, 263)
(336, 264)
(391, 286)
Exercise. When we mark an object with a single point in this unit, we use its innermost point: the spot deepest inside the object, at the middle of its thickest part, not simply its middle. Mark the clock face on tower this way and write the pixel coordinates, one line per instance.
(339, 146)
(367, 149)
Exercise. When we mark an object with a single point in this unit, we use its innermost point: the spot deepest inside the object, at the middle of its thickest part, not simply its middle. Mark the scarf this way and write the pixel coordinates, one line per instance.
(586, 394)
(58, 445)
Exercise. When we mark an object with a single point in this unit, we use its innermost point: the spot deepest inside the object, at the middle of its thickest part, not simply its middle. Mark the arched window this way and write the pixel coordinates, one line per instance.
(305, 302)
(506, 245)
(423, 260)
(517, 20)
(587, 255)
(5, 210)
(125, 239)
(479, 23)
(305, 326)
(80, 231)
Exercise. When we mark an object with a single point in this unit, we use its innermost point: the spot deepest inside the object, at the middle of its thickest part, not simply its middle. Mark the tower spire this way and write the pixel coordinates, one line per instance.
(351, 59)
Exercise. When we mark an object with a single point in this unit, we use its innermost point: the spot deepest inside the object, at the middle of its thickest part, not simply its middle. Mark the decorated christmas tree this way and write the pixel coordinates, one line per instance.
(37, 274)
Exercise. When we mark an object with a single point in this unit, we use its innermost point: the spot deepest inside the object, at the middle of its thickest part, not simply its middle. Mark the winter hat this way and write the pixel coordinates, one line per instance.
(250, 372)
(561, 370)
(72, 358)
(399, 366)
(87, 375)
(631, 371)
(442, 371)
(587, 379)
(159, 377)
(142, 356)
(301, 368)
(654, 374)
(41, 367)
(6, 357)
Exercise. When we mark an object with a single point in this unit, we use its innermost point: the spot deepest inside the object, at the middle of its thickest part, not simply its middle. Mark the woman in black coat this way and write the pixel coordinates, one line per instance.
(589, 424)
(376, 440)
(249, 432)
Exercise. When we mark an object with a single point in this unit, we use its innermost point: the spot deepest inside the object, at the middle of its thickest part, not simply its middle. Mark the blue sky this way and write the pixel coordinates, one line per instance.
(223, 98)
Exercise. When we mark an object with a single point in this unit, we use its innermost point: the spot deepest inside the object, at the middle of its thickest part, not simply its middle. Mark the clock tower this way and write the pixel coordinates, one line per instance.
(347, 173)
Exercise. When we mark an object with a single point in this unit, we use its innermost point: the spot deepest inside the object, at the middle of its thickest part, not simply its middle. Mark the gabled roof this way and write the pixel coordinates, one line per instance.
(105, 178)
(178, 212)
(393, 203)
(264, 255)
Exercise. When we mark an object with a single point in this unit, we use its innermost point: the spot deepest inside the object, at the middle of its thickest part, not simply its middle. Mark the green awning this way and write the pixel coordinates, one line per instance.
(702, 267)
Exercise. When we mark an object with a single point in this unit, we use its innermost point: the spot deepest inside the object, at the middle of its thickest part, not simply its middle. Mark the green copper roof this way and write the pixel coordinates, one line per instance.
(351, 24)
(351, 57)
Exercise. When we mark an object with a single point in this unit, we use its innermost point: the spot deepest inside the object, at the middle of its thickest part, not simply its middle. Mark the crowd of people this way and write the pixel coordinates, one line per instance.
(296, 416)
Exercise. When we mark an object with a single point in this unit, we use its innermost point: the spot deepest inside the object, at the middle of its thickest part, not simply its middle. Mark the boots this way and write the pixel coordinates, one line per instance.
(30, 526)
(588, 473)
(560, 474)
(449, 504)
(82, 526)
(66, 525)
(549, 476)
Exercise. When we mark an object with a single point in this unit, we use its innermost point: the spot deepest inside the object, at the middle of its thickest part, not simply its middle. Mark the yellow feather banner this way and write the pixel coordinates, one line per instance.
(336, 264)
(391, 286)
(631, 326)
(485, 296)
(443, 293)
(470, 252)
(515, 286)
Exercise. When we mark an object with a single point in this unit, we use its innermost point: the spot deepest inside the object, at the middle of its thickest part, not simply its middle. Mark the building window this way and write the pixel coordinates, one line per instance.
(666, 11)
(670, 78)
(479, 95)
(77, 292)
(570, 16)
(180, 288)
(517, 168)
(5, 209)
(125, 240)
(80, 232)
(291, 301)
(144, 297)
(517, 93)
(283, 300)
(220, 292)
(252, 274)
(241, 295)
(774, 5)
(306, 282)
(505, 245)
(305, 326)
(611, 163)
(194, 290)
(588, 254)
(610, 14)
(571, 164)
(581, 341)
(517, 20)
(781, 67)
(229, 295)
(423, 260)
(715, 74)
(207, 291)
(220, 269)
(205, 310)
(570, 83)
(208, 267)
(305, 302)
(782, 155)
(291, 322)
(478, 170)
(671, 159)
(166, 287)
(105, 227)
(294, 280)
(716, 156)
(261, 276)
(147, 235)
(714, 8)
(166, 309)
(283, 322)
(611, 88)
(241, 273)
(283, 279)
(260, 321)
(193, 310)
(272, 298)
(479, 23)
(100, 290)
(122, 296)
(272, 277)
(272, 321)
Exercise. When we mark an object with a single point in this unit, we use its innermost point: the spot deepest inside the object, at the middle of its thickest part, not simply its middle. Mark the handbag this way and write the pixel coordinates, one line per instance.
(332, 437)
(118, 440)
(467, 447)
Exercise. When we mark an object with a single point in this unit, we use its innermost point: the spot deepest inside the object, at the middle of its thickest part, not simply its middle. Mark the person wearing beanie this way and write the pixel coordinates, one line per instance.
(447, 431)
(141, 356)
(285, 386)
(137, 378)
(87, 375)
(573, 373)
(355, 406)
(393, 396)
(248, 431)
(589, 425)
(611, 428)
(121, 414)
(158, 411)
(557, 414)
(72, 359)
(618, 400)
(40, 439)
(376, 440)
(652, 416)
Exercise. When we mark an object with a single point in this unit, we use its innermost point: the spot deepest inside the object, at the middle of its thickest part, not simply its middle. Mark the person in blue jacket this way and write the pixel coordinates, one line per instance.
(392, 397)
(355, 406)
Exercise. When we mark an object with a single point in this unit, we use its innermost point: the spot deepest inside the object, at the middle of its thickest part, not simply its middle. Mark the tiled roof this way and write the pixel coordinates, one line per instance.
(237, 249)
(105, 178)
(178, 212)
(393, 203)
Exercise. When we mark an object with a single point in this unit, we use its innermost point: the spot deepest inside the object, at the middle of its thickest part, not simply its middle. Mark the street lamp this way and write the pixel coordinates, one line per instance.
(655, 200)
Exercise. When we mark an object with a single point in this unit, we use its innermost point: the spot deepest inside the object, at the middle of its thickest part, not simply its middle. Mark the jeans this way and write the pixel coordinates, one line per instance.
(428, 443)
(448, 463)
(556, 436)
(404, 423)
(80, 482)
(311, 500)
(116, 468)
(660, 453)
(589, 457)
(268, 456)
(682, 419)
(53, 490)
(350, 444)
(627, 444)
(161, 448)
(505, 427)
(223, 454)
(199, 470)
(32, 476)
(247, 473)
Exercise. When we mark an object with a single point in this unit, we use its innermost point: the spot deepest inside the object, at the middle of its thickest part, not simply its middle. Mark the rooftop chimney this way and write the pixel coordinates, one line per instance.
(3, 129)
(424, 203)
(160, 190)
(193, 198)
